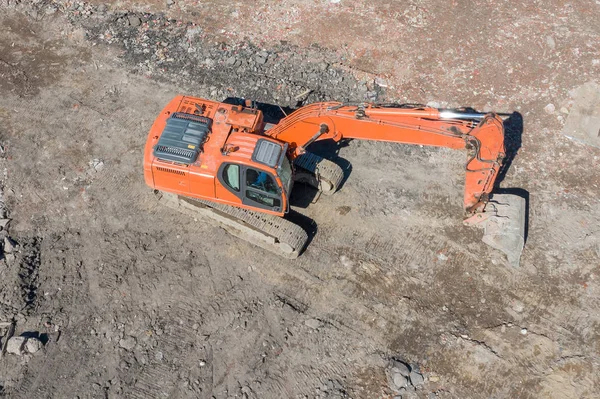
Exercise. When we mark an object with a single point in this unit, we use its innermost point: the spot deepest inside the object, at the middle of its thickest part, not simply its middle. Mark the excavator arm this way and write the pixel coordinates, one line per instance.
(482, 135)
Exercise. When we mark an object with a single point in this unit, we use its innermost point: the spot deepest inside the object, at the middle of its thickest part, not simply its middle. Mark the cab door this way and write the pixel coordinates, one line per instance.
(253, 187)
(228, 187)
(261, 190)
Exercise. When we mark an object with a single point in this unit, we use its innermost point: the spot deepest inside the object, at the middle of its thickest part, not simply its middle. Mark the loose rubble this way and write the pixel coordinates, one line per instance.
(403, 377)
(332, 389)
(21, 345)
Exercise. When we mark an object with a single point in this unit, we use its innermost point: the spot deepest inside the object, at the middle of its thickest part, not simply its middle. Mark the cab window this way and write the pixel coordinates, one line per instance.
(231, 176)
(261, 181)
(271, 202)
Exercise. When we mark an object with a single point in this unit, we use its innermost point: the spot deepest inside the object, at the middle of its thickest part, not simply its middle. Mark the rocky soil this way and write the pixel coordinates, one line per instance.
(106, 294)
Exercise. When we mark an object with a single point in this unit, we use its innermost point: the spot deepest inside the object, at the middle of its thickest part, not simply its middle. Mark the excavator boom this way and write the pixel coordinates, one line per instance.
(482, 135)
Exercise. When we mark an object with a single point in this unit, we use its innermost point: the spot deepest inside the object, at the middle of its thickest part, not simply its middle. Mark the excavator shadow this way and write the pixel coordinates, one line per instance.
(513, 139)
(303, 195)
(309, 225)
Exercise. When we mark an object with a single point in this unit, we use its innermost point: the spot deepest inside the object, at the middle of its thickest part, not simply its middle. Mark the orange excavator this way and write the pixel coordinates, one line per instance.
(224, 161)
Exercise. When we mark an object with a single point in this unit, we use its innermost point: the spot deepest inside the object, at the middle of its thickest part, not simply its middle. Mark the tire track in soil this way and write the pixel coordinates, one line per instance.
(329, 299)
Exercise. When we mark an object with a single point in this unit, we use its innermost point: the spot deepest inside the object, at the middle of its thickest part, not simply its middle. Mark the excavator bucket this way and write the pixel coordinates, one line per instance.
(504, 227)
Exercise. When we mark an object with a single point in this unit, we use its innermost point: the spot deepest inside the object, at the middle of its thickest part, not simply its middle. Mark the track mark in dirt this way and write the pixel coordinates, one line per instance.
(473, 341)
(293, 303)
(29, 272)
(30, 64)
(43, 380)
(176, 358)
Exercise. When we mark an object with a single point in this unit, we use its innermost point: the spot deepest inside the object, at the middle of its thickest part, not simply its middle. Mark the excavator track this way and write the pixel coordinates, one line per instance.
(319, 172)
(270, 232)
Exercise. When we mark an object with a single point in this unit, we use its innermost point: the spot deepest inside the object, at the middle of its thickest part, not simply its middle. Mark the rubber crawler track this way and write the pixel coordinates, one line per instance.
(323, 169)
(273, 233)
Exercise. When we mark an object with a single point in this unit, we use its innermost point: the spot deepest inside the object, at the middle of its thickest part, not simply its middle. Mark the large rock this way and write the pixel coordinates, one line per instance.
(127, 343)
(416, 378)
(134, 21)
(399, 381)
(400, 367)
(33, 345)
(9, 245)
(15, 345)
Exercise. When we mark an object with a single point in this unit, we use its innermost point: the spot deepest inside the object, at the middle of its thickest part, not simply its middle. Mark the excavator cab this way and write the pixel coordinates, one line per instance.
(264, 181)
(258, 188)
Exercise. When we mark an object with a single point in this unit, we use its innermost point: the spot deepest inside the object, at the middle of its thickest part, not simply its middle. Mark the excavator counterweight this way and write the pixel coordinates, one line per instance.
(224, 158)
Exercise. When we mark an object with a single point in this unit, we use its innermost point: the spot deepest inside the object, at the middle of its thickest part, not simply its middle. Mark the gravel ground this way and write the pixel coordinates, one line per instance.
(393, 296)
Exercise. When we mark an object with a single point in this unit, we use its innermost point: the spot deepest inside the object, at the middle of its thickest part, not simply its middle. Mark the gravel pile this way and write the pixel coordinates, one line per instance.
(404, 379)
(180, 52)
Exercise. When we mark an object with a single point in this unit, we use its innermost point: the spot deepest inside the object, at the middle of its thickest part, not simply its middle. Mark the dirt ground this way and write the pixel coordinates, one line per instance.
(134, 300)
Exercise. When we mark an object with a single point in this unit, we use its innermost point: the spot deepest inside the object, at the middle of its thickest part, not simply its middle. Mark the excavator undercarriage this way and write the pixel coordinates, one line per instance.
(273, 233)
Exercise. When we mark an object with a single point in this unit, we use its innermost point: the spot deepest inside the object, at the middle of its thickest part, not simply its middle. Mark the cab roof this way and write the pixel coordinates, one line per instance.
(253, 147)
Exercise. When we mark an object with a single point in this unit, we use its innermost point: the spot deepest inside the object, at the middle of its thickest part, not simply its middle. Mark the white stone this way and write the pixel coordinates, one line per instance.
(313, 323)
(33, 345)
(15, 345)
(346, 262)
(518, 306)
(549, 109)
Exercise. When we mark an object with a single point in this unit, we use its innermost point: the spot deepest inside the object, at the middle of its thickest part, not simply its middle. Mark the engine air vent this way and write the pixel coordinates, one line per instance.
(167, 170)
(182, 138)
(179, 152)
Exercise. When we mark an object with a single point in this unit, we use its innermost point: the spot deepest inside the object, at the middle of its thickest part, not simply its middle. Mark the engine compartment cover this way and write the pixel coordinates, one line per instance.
(182, 138)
